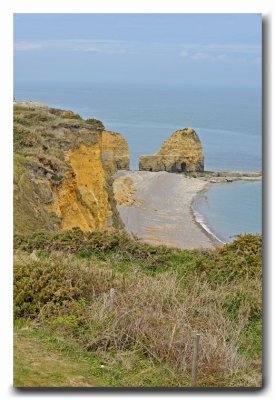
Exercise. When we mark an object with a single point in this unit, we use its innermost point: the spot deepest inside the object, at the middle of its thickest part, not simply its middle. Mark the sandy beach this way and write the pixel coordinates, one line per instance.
(156, 206)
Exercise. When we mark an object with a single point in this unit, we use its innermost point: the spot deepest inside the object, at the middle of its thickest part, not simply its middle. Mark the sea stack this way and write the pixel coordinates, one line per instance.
(181, 152)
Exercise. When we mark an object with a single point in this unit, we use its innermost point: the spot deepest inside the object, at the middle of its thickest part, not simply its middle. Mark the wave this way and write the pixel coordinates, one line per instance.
(200, 219)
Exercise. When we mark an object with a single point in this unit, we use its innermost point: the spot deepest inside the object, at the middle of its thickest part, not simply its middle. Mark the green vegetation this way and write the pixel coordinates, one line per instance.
(42, 360)
(45, 360)
(163, 297)
(96, 123)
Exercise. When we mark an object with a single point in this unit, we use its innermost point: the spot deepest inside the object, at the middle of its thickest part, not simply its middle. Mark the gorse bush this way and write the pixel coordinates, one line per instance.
(39, 281)
(242, 258)
(163, 296)
(232, 261)
(101, 243)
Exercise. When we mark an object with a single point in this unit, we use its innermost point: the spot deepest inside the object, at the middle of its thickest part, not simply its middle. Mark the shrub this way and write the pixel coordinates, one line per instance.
(102, 243)
(96, 123)
(23, 137)
(64, 114)
(41, 281)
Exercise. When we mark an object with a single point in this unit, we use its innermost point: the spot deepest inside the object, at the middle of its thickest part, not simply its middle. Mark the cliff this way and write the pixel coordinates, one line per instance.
(181, 152)
(115, 151)
(63, 168)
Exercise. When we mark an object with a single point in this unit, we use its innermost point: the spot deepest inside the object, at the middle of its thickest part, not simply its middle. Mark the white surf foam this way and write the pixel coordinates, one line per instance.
(203, 223)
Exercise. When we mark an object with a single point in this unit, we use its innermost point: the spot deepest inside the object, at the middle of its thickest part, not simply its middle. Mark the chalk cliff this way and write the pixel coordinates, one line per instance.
(181, 152)
(63, 168)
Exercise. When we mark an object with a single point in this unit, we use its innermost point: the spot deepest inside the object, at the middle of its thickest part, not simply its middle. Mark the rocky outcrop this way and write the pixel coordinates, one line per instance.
(62, 170)
(81, 199)
(181, 152)
(115, 151)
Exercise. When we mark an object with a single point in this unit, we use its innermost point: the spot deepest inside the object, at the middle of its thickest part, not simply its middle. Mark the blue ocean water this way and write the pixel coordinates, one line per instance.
(228, 209)
(227, 120)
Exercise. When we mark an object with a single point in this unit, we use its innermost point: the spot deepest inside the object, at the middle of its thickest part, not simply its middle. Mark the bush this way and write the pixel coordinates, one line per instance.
(39, 281)
(23, 137)
(242, 258)
(96, 123)
(101, 243)
(64, 114)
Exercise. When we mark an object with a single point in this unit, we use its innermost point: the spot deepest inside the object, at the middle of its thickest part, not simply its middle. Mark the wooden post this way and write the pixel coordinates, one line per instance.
(112, 298)
(195, 359)
(172, 337)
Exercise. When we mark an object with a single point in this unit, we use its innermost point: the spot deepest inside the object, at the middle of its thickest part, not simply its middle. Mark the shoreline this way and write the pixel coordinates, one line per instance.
(158, 210)
(206, 230)
(205, 224)
(158, 207)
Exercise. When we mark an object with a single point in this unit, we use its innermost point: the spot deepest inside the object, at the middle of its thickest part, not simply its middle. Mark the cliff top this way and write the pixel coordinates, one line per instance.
(30, 104)
(43, 134)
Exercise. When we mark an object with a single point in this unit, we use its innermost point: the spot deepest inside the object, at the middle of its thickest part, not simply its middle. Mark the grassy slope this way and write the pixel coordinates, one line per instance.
(163, 297)
(40, 360)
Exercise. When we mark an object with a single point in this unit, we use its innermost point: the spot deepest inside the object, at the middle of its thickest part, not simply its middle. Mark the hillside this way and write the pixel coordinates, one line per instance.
(163, 297)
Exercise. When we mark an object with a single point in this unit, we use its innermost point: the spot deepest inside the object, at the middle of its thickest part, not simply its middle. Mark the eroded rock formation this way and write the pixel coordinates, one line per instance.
(181, 152)
(81, 199)
(115, 151)
(63, 168)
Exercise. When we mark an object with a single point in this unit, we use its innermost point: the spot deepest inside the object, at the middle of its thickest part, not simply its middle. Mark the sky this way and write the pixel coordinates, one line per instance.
(209, 49)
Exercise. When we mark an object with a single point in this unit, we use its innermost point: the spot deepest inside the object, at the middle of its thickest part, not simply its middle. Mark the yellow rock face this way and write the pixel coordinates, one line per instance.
(63, 167)
(115, 151)
(181, 152)
(81, 200)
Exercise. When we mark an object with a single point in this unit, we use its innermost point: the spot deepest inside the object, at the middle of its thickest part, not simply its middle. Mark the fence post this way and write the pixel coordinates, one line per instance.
(195, 359)
(112, 298)
(172, 337)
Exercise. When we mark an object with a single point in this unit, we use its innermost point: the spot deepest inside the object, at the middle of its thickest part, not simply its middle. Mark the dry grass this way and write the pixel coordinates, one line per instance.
(157, 312)
(156, 316)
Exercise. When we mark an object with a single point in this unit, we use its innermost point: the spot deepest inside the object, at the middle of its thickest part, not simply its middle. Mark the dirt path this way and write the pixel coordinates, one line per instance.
(161, 211)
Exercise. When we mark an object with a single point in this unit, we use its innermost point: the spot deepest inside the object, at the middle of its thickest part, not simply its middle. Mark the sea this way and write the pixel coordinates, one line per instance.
(227, 119)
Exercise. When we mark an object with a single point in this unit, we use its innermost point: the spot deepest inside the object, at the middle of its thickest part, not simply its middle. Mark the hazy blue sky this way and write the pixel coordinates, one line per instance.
(171, 48)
